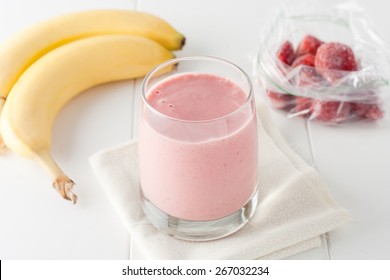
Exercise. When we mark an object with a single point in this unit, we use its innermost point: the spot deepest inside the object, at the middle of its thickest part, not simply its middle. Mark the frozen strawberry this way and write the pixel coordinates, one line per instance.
(332, 58)
(280, 100)
(331, 111)
(360, 109)
(335, 56)
(303, 106)
(374, 113)
(286, 53)
(306, 59)
(309, 44)
(368, 111)
(307, 75)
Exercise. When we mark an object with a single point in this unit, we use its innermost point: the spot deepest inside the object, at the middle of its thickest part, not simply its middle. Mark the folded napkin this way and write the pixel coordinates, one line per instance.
(294, 208)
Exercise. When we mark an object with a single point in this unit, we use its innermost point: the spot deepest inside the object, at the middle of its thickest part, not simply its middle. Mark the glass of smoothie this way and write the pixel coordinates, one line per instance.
(197, 148)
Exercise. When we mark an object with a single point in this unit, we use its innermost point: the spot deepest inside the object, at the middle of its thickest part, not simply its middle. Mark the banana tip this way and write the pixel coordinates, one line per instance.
(183, 42)
(64, 186)
(73, 198)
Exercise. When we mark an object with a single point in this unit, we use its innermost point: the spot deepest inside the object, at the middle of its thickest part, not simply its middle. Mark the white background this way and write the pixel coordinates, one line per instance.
(35, 223)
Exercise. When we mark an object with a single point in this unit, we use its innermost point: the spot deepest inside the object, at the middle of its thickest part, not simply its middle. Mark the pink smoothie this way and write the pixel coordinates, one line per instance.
(205, 166)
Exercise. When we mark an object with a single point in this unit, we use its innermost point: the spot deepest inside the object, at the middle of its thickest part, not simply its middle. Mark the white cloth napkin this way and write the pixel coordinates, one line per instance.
(294, 209)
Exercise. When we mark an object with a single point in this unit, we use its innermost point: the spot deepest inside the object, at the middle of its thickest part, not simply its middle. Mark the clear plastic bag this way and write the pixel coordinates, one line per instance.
(330, 96)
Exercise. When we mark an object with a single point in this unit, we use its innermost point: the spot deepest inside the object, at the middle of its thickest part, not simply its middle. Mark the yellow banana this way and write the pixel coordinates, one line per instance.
(47, 85)
(21, 51)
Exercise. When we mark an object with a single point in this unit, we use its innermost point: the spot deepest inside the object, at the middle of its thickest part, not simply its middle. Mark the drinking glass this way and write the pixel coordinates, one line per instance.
(198, 148)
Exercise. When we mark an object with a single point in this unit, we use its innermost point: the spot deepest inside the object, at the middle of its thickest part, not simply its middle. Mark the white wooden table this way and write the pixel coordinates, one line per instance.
(36, 224)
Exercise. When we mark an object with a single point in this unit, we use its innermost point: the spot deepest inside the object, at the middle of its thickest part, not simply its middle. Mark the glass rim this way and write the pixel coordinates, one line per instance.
(196, 58)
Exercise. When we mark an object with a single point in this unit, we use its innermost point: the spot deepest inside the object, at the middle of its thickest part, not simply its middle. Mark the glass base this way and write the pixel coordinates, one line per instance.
(199, 230)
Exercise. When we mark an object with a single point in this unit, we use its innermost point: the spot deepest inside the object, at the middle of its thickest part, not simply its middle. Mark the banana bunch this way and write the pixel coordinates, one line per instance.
(44, 67)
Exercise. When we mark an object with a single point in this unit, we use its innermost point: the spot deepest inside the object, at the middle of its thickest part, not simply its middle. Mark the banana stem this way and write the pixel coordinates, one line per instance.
(62, 183)
(2, 145)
